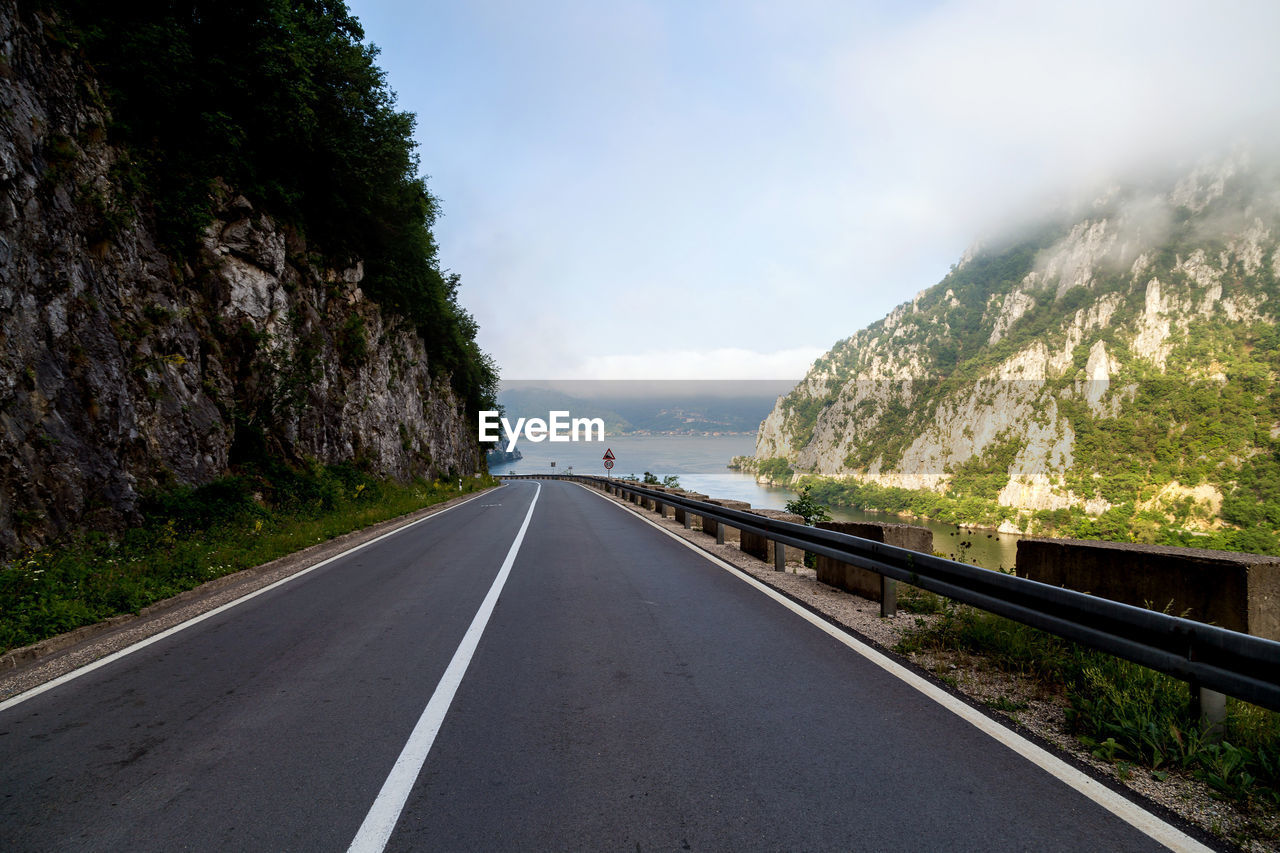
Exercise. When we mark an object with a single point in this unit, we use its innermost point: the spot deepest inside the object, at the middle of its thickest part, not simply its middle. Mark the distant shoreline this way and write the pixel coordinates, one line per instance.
(709, 433)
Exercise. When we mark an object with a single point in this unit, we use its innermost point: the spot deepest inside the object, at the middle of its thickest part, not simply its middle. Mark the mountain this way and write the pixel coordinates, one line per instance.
(522, 399)
(1110, 373)
(210, 259)
(631, 406)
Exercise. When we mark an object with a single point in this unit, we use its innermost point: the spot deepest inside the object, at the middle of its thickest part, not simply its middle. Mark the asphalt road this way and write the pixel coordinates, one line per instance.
(626, 694)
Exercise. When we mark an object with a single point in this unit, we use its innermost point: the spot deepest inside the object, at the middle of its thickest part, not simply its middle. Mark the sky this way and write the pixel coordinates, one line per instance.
(725, 188)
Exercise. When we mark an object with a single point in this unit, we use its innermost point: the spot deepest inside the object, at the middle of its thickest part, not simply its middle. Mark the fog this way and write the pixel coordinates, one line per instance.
(661, 189)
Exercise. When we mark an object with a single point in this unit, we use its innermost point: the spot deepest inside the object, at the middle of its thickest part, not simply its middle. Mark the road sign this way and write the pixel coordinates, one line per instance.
(608, 464)
(608, 454)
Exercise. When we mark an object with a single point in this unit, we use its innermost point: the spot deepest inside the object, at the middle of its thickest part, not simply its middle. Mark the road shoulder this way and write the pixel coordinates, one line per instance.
(28, 667)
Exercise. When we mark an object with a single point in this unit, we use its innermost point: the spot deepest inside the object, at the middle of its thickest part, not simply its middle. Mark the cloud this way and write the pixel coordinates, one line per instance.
(645, 186)
(984, 108)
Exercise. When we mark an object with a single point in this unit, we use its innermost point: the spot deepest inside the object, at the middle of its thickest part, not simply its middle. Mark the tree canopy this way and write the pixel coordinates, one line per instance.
(282, 100)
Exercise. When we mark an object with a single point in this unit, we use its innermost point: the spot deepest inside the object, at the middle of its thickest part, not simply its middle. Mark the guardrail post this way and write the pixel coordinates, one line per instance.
(1209, 708)
(888, 597)
(759, 545)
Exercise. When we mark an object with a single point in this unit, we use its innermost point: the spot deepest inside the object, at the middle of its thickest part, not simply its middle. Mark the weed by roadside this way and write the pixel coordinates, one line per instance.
(1123, 713)
(190, 536)
(912, 599)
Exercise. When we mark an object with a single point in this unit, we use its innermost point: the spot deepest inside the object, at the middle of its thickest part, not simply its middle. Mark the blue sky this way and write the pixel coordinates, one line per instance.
(724, 189)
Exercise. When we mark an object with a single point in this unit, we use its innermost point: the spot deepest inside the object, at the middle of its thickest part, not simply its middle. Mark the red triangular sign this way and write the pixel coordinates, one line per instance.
(608, 454)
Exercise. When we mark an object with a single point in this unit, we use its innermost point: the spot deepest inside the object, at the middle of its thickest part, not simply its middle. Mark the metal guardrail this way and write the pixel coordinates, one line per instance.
(1206, 656)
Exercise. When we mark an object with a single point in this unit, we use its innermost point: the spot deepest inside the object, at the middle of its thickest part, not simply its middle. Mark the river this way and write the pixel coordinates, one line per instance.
(700, 462)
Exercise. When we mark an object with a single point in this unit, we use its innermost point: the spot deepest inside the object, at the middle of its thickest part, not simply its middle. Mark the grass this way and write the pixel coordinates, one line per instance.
(190, 536)
(913, 599)
(1122, 712)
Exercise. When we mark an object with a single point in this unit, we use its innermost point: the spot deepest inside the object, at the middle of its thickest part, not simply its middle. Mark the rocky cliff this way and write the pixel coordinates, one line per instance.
(1124, 356)
(125, 368)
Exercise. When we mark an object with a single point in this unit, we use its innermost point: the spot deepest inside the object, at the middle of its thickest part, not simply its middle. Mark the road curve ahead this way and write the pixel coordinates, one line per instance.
(623, 693)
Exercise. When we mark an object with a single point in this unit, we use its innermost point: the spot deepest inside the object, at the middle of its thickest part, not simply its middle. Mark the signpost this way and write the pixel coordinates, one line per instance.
(608, 460)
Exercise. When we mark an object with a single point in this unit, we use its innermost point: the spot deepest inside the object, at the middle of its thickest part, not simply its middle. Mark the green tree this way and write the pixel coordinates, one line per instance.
(807, 508)
(283, 101)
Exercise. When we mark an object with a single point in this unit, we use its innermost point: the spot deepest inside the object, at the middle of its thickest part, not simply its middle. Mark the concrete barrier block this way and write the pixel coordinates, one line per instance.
(652, 503)
(711, 526)
(684, 516)
(1236, 591)
(865, 582)
(762, 547)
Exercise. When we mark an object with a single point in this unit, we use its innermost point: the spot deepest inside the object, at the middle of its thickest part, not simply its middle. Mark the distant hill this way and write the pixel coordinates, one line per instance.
(530, 401)
(664, 406)
(1110, 374)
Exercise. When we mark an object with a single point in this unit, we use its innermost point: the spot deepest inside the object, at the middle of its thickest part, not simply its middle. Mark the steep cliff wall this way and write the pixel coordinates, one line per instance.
(1123, 357)
(125, 369)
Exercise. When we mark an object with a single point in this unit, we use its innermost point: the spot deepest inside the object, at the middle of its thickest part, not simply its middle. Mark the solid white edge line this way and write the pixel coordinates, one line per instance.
(383, 815)
(1122, 807)
(155, 638)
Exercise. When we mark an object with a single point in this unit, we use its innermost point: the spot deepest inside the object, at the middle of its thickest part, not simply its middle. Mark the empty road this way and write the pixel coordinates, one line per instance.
(534, 669)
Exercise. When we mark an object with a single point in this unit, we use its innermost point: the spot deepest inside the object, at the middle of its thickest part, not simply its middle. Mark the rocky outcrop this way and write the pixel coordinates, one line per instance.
(125, 368)
(1089, 327)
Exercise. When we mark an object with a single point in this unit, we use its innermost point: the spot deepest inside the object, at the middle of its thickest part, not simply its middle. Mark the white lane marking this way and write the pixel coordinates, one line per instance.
(378, 825)
(1123, 808)
(155, 638)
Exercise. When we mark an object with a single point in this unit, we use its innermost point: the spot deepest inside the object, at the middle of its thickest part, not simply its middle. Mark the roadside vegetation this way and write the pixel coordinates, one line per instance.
(670, 481)
(807, 508)
(813, 514)
(1125, 714)
(1253, 532)
(192, 535)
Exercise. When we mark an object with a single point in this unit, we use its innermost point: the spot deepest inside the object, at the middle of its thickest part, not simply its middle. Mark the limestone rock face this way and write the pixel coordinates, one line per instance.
(124, 369)
(1026, 353)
